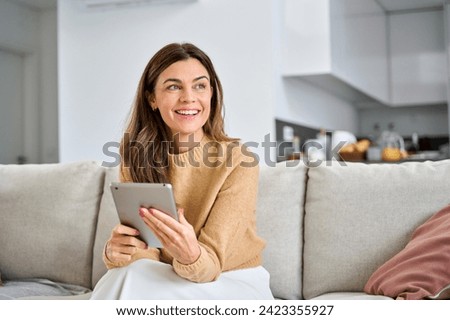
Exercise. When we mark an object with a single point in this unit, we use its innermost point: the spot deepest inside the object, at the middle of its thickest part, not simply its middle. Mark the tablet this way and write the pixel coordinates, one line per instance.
(129, 197)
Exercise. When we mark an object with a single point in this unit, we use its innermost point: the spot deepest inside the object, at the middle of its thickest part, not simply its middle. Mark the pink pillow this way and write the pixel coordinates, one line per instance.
(422, 269)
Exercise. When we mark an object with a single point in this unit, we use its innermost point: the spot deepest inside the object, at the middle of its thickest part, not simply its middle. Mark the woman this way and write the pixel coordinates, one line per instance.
(176, 134)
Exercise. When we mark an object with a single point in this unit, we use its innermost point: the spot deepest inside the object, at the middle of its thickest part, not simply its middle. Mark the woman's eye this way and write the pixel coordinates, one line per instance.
(200, 86)
(173, 87)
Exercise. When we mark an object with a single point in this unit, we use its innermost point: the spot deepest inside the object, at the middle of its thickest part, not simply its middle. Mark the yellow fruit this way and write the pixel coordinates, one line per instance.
(391, 154)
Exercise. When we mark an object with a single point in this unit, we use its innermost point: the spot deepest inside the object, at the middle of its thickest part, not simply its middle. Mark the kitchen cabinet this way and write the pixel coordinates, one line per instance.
(418, 58)
(356, 50)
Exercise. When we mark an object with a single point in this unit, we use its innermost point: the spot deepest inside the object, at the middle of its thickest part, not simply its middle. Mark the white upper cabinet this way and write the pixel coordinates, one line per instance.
(307, 47)
(359, 50)
(356, 49)
(418, 59)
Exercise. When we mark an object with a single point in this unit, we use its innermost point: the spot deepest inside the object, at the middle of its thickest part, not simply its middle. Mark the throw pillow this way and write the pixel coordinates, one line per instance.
(422, 269)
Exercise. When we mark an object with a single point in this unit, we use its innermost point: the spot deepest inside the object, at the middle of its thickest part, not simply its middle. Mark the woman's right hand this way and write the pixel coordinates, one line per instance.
(123, 243)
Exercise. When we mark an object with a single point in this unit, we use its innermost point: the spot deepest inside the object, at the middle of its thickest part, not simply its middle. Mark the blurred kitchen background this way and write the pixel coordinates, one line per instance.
(388, 59)
(372, 75)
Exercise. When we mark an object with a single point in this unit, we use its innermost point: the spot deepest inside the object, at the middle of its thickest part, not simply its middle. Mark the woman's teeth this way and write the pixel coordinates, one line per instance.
(187, 112)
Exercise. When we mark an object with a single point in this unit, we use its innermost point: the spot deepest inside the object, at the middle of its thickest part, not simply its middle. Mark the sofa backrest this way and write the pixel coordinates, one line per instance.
(48, 217)
(280, 222)
(358, 216)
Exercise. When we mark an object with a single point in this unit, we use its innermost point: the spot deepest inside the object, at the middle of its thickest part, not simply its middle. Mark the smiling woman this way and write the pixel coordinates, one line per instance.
(178, 100)
(176, 135)
(184, 104)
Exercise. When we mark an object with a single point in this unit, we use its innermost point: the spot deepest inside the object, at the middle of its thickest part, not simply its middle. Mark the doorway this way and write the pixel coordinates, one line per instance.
(12, 142)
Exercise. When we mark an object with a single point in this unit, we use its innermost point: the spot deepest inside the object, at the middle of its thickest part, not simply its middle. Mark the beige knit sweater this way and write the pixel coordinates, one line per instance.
(216, 184)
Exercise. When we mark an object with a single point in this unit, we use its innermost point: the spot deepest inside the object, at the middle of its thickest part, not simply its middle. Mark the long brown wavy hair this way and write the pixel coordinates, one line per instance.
(146, 142)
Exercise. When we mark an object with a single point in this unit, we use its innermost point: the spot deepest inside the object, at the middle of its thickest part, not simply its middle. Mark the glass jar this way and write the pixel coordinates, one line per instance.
(392, 146)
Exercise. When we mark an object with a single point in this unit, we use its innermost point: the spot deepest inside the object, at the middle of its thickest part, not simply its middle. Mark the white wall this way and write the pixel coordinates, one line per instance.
(308, 105)
(18, 27)
(11, 110)
(48, 88)
(102, 55)
(446, 15)
(425, 120)
(32, 35)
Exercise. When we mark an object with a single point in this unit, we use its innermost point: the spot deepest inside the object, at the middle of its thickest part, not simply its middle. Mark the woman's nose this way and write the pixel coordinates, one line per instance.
(187, 96)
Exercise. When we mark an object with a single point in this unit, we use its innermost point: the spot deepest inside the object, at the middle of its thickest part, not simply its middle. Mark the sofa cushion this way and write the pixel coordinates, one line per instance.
(27, 288)
(350, 296)
(49, 215)
(107, 219)
(421, 269)
(357, 216)
(279, 221)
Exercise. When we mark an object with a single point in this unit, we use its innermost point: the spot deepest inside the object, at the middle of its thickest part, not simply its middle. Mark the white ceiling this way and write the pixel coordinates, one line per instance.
(399, 5)
(388, 5)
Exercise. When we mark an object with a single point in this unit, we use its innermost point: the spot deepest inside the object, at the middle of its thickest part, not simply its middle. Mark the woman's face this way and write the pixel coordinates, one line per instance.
(183, 96)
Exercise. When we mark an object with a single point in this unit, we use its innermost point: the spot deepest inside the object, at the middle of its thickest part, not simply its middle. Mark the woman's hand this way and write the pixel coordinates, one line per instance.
(178, 238)
(123, 244)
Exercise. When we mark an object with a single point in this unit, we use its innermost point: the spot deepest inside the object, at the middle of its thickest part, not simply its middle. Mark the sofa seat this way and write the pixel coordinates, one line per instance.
(17, 289)
(350, 296)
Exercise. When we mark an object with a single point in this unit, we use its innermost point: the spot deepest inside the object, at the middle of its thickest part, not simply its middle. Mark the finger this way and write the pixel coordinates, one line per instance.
(155, 225)
(163, 217)
(118, 250)
(121, 257)
(129, 241)
(129, 250)
(182, 218)
(118, 256)
(159, 227)
(160, 234)
(153, 218)
(120, 235)
(166, 234)
(125, 230)
(115, 252)
(170, 228)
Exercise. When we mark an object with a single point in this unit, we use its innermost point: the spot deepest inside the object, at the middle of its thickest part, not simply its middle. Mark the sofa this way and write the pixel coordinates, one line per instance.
(328, 226)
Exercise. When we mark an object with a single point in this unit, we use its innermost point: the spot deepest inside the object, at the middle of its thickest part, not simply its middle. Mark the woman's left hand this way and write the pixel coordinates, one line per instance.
(177, 237)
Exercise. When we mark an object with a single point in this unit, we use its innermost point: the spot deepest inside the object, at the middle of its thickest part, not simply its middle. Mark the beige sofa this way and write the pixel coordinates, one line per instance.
(327, 227)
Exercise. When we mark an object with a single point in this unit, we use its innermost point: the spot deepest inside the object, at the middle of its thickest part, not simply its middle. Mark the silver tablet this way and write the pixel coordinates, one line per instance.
(129, 197)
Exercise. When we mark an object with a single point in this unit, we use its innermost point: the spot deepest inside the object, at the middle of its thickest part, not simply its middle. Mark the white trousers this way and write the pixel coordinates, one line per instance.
(147, 279)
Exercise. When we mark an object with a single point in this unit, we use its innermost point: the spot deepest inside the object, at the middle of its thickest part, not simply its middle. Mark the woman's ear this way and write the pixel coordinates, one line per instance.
(153, 104)
(151, 100)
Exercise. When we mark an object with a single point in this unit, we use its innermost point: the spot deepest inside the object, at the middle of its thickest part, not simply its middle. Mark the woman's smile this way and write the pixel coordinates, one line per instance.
(188, 113)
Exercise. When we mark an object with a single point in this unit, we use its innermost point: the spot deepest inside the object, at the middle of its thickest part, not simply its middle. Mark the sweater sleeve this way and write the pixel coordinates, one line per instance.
(228, 239)
(150, 253)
